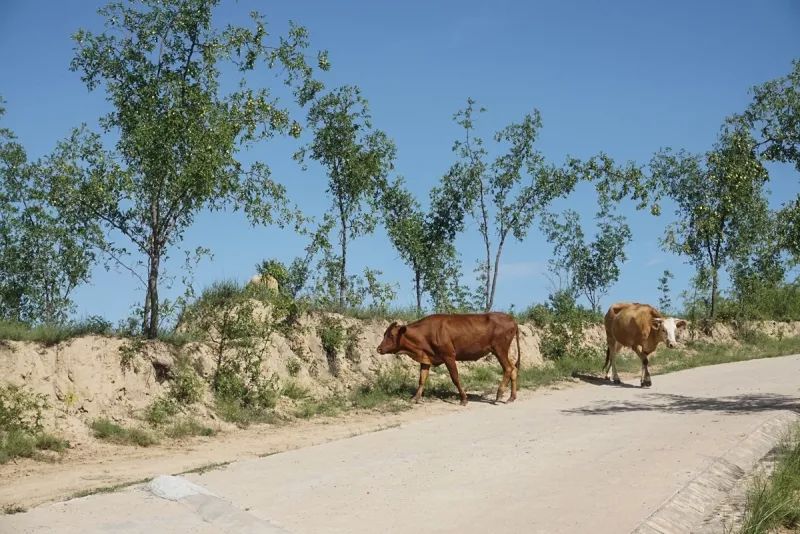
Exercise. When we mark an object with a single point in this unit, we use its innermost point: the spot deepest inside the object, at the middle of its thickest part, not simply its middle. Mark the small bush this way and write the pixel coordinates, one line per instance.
(187, 428)
(109, 431)
(331, 334)
(293, 366)
(160, 411)
(21, 409)
(295, 391)
(186, 386)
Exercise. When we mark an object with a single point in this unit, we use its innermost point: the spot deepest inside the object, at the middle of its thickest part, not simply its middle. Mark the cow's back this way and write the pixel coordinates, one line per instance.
(472, 335)
(629, 323)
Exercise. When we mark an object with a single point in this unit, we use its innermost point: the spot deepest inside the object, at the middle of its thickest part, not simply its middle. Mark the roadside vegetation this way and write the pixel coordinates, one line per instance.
(773, 501)
(21, 432)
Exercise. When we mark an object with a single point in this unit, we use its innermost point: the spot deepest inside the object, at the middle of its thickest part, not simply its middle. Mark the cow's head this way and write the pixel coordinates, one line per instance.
(666, 329)
(391, 338)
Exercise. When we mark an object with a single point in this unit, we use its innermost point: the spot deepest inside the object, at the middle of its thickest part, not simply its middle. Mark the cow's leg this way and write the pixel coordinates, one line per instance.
(612, 355)
(450, 362)
(509, 373)
(645, 382)
(424, 369)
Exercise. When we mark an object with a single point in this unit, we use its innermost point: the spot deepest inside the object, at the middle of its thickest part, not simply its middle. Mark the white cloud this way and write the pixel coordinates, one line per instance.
(654, 261)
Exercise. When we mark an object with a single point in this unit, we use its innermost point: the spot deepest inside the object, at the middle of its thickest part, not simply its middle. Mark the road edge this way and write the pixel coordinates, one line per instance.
(687, 508)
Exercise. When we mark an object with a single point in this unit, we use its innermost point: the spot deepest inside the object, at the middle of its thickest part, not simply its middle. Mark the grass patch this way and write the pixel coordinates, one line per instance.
(206, 468)
(295, 391)
(11, 509)
(20, 443)
(50, 334)
(109, 431)
(774, 502)
(187, 428)
(108, 489)
(329, 406)
(243, 416)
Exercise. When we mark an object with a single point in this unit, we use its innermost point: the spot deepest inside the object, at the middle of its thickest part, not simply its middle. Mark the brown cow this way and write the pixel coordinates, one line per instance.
(446, 339)
(639, 327)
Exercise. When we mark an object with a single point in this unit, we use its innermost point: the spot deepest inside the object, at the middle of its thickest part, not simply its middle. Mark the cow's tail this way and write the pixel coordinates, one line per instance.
(519, 352)
(608, 359)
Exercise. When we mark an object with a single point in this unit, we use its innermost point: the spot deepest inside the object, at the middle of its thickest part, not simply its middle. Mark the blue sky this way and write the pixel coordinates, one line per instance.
(626, 78)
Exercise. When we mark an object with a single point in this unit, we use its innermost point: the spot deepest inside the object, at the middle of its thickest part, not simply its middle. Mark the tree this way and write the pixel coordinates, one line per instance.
(774, 114)
(423, 240)
(357, 159)
(177, 132)
(495, 195)
(43, 256)
(719, 200)
(664, 300)
(592, 267)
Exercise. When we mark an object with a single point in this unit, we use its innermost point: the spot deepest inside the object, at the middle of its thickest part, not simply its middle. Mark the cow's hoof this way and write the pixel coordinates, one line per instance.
(617, 381)
(463, 402)
(415, 399)
(646, 383)
(511, 399)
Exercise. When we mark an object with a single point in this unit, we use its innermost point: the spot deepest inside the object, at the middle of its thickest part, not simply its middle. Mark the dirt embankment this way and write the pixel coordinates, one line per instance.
(91, 377)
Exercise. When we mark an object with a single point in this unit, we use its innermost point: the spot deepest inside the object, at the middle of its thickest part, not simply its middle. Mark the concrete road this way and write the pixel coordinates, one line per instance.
(590, 458)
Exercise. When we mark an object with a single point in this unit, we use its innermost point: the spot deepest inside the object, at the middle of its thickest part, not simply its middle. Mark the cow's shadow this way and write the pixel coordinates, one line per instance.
(453, 398)
(597, 381)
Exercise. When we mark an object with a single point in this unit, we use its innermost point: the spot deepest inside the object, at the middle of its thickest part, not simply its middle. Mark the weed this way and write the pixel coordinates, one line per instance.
(353, 334)
(109, 431)
(774, 502)
(331, 334)
(11, 509)
(293, 366)
(160, 411)
(188, 428)
(295, 391)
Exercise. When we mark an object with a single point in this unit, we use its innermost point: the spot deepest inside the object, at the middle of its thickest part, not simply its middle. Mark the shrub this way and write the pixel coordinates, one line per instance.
(187, 428)
(351, 344)
(160, 411)
(293, 366)
(109, 431)
(21, 409)
(186, 386)
(295, 391)
(331, 334)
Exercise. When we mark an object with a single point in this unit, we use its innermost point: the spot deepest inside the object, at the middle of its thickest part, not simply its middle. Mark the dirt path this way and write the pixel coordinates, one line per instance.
(593, 458)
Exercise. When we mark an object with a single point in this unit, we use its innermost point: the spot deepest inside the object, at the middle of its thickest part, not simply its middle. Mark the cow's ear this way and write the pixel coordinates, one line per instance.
(680, 323)
(655, 322)
(392, 325)
(401, 331)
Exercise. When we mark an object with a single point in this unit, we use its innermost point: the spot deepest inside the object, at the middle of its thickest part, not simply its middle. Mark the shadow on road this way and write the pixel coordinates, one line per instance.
(597, 381)
(670, 403)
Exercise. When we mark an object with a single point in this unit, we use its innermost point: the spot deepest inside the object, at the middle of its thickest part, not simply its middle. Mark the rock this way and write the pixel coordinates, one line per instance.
(267, 280)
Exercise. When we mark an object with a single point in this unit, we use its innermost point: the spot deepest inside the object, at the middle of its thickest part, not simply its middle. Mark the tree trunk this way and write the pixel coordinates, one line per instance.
(490, 300)
(714, 276)
(152, 293)
(343, 269)
(418, 288)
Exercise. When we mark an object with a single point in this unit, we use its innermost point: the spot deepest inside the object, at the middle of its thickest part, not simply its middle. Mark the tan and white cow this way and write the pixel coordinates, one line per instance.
(641, 328)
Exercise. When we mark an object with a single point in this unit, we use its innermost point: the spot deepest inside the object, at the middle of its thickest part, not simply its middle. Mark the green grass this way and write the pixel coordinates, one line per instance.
(49, 335)
(293, 390)
(19, 443)
(773, 502)
(109, 431)
(233, 411)
(187, 428)
(108, 489)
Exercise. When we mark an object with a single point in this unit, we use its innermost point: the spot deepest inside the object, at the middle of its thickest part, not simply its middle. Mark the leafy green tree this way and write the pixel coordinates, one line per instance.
(774, 114)
(43, 256)
(357, 159)
(503, 196)
(719, 204)
(178, 133)
(424, 241)
(592, 267)
(664, 299)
